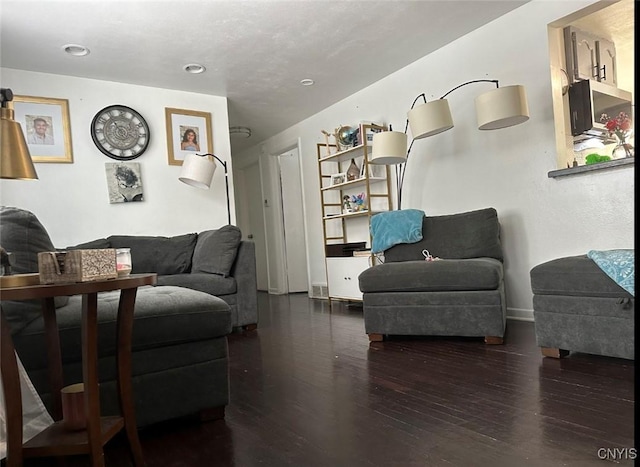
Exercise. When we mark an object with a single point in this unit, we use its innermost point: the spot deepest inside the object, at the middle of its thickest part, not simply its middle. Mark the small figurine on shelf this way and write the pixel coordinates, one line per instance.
(346, 204)
(358, 202)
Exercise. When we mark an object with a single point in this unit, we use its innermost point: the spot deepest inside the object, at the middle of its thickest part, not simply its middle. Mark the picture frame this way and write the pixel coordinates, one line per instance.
(46, 125)
(338, 178)
(188, 131)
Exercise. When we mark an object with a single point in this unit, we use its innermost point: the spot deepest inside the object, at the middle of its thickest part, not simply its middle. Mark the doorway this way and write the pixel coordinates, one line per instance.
(295, 248)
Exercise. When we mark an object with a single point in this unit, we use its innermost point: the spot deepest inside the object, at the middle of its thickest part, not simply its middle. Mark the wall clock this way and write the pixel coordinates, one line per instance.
(120, 132)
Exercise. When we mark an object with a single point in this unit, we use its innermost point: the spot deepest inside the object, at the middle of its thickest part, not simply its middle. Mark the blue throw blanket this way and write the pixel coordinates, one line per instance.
(619, 265)
(393, 227)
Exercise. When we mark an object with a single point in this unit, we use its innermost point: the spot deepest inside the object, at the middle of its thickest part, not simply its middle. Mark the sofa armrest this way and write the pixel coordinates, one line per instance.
(244, 272)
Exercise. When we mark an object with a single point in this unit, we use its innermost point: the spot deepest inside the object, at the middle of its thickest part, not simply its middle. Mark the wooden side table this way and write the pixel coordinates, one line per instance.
(55, 440)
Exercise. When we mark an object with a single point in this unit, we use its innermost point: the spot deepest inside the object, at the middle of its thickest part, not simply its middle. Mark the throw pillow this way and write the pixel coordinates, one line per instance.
(22, 234)
(162, 255)
(216, 250)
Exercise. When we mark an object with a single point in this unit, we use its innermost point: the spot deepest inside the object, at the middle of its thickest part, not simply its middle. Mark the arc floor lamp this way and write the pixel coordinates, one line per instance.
(198, 170)
(498, 108)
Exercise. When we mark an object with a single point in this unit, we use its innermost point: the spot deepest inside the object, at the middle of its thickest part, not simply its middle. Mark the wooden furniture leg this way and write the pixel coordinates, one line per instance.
(123, 362)
(493, 340)
(554, 353)
(90, 377)
(250, 327)
(54, 355)
(376, 337)
(11, 388)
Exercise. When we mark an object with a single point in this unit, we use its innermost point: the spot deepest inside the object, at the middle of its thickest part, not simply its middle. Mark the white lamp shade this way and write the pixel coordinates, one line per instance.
(502, 107)
(389, 147)
(197, 171)
(430, 119)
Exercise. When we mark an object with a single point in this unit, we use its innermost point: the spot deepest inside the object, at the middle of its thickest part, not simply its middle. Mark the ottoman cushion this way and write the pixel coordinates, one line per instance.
(574, 276)
(163, 316)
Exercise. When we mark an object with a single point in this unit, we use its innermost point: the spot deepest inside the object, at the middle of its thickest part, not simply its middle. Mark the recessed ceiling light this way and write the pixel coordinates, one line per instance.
(76, 50)
(194, 68)
(307, 82)
(240, 131)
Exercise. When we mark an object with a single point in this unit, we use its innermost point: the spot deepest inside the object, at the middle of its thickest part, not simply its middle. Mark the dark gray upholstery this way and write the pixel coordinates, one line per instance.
(472, 234)
(162, 255)
(217, 262)
(179, 349)
(460, 295)
(168, 322)
(577, 307)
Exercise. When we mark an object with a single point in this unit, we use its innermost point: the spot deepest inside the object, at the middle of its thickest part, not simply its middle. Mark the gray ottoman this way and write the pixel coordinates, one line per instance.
(577, 307)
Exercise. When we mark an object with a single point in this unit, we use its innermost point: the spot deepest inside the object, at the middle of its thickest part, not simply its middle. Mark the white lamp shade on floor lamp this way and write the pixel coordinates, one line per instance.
(197, 171)
(502, 107)
(389, 147)
(430, 119)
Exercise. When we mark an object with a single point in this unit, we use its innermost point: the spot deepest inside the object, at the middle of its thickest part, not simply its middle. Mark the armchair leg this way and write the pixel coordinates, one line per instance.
(554, 353)
(250, 327)
(376, 337)
(493, 340)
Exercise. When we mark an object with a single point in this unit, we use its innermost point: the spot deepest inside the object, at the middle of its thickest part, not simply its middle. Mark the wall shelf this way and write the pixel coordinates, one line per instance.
(628, 162)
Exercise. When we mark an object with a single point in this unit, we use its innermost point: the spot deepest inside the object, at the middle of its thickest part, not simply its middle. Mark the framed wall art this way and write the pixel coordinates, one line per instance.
(46, 126)
(188, 131)
(124, 182)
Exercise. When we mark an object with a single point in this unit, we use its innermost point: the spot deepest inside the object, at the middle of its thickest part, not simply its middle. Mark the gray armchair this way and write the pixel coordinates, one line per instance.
(462, 294)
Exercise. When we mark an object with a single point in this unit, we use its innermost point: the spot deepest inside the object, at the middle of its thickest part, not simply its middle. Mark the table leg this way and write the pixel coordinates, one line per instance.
(54, 355)
(12, 395)
(90, 377)
(123, 357)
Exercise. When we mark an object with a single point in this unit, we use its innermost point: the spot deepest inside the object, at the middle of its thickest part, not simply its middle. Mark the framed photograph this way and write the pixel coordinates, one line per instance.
(188, 131)
(337, 179)
(46, 127)
(124, 181)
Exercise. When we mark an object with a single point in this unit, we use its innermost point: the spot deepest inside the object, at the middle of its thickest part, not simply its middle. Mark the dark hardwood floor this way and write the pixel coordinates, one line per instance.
(307, 389)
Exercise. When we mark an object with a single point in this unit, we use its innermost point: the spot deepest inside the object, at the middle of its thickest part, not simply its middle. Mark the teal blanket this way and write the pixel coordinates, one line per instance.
(392, 227)
(619, 265)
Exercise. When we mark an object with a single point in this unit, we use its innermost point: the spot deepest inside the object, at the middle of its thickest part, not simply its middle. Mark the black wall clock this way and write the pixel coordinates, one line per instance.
(120, 132)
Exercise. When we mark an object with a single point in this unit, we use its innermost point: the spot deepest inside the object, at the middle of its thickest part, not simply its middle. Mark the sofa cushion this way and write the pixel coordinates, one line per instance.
(574, 276)
(164, 316)
(212, 284)
(162, 255)
(22, 234)
(433, 276)
(216, 250)
(471, 234)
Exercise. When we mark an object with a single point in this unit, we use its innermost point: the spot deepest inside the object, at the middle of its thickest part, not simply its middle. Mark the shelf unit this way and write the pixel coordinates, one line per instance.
(375, 183)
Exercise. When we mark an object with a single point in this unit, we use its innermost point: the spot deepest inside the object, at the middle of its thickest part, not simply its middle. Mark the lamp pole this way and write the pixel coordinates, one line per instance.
(400, 168)
(226, 182)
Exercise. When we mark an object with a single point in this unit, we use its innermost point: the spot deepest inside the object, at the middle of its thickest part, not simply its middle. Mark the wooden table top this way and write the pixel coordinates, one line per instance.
(77, 288)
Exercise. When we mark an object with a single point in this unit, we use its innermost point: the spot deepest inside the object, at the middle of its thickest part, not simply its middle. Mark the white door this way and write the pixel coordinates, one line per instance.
(255, 232)
(292, 211)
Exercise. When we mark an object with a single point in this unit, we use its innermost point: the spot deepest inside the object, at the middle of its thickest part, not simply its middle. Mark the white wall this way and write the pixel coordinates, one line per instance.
(71, 200)
(466, 169)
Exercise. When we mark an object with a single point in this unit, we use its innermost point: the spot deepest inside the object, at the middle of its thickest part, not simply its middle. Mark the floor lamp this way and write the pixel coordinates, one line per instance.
(498, 108)
(198, 170)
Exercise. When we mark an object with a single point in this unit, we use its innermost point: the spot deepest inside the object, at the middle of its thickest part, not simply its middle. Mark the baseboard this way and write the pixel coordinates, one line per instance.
(519, 314)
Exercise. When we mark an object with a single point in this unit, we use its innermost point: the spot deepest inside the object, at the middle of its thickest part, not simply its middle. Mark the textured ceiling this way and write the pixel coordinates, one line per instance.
(255, 52)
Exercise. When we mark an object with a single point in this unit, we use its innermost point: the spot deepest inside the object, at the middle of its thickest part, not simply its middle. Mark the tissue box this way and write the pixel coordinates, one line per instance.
(77, 266)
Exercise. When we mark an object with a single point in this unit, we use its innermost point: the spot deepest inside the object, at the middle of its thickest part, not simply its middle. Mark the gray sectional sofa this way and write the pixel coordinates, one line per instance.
(206, 286)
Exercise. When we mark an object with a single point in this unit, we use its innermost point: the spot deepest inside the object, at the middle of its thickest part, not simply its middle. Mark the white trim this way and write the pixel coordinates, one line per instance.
(519, 314)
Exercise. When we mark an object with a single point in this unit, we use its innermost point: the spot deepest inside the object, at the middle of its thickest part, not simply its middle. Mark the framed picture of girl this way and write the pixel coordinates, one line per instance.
(188, 131)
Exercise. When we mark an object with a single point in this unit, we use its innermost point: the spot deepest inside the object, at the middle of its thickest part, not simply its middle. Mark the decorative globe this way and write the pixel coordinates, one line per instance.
(346, 135)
